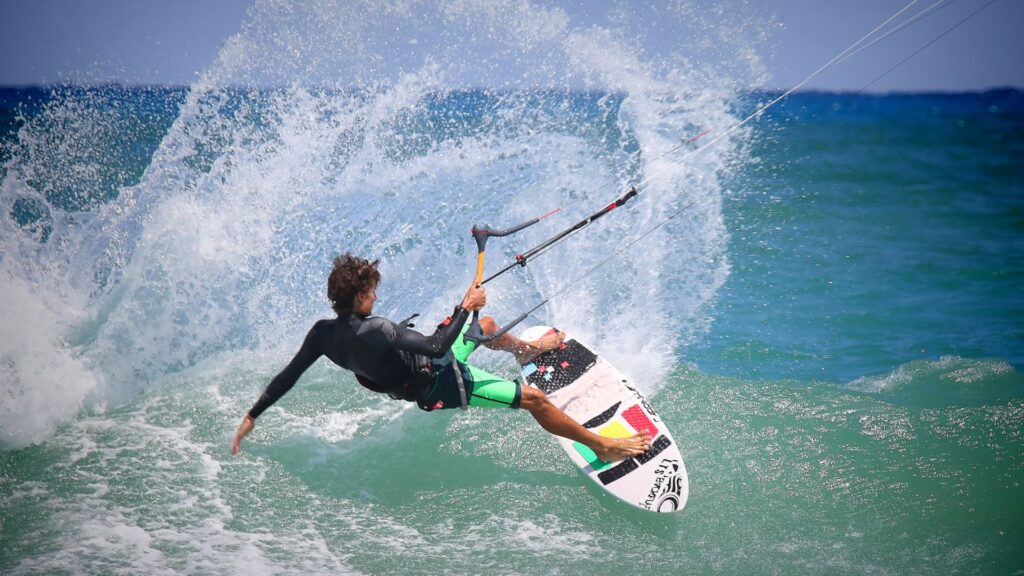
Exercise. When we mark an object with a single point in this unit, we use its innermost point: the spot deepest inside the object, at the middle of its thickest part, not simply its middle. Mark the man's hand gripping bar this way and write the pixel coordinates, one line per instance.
(481, 233)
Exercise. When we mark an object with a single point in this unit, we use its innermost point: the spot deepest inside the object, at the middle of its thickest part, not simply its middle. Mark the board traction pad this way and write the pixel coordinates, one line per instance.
(558, 368)
(639, 421)
(592, 460)
(602, 417)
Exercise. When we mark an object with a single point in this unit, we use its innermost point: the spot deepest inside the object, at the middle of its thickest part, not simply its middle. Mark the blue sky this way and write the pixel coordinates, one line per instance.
(162, 42)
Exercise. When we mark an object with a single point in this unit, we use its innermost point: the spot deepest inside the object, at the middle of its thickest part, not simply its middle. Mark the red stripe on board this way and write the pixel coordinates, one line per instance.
(639, 421)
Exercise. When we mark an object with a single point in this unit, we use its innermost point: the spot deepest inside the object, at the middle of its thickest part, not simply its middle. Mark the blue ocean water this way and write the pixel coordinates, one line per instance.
(874, 231)
(832, 330)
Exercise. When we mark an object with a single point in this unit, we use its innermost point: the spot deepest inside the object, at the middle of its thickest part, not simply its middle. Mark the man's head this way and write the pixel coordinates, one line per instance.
(352, 284)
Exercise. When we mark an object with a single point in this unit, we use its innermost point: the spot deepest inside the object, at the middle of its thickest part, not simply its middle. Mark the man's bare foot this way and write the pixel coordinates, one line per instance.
(614, 449)
(531, 350)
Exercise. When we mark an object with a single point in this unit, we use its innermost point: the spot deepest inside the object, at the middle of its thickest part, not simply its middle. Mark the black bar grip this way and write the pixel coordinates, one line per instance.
(481, 232)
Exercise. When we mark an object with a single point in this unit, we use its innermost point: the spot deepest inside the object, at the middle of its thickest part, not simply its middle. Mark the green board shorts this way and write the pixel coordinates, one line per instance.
(483, 389)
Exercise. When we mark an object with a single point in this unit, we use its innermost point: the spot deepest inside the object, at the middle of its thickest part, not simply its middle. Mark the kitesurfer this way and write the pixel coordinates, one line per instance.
(393, 359)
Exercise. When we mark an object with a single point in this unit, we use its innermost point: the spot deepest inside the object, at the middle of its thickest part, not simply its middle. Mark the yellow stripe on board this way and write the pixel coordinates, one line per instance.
(615, 430)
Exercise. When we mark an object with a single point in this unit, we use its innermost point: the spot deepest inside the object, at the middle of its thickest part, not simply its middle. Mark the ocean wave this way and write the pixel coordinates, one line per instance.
(948, 381)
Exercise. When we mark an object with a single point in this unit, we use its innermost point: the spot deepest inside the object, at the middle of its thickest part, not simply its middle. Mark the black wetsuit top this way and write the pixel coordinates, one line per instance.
(385, 357)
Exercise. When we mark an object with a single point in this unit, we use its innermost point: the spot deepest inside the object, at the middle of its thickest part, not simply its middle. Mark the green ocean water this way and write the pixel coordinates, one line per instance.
(786, 476)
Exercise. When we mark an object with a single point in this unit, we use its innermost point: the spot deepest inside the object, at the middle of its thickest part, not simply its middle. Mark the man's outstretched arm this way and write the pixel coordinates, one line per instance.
(310, 351)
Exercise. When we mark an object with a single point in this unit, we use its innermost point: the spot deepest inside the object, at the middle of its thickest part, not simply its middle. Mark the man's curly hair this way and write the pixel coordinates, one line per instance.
(350, 276)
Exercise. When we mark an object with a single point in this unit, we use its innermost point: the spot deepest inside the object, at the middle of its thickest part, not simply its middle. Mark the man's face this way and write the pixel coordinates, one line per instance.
(364, 302)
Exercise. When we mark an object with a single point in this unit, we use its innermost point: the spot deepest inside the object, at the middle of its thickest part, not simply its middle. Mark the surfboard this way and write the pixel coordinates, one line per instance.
(594, 393)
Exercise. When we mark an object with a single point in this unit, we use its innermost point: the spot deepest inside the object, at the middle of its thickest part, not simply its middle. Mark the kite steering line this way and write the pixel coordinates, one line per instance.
(481, 233)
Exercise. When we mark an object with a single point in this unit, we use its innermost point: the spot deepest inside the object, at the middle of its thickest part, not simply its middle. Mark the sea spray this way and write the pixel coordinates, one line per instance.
(317, 130)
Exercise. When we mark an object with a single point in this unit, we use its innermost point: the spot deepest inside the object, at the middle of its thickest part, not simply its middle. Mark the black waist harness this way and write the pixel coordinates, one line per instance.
(390, 358)
(413, 388)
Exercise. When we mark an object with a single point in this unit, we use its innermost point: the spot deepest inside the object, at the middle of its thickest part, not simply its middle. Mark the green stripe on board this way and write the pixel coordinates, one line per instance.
(591, 458)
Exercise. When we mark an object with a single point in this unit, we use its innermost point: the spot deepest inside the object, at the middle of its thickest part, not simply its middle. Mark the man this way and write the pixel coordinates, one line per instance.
(392, 359)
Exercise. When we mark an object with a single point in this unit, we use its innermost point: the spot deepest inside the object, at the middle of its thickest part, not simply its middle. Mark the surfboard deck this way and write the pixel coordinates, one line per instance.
(593, 392)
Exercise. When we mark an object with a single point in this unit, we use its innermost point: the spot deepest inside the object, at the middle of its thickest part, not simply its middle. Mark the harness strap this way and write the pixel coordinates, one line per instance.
(462, 385)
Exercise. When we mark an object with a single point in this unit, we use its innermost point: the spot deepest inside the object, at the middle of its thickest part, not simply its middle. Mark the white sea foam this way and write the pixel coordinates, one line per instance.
(948, 380)
(44, 381)
(224, 242)
(158, 501)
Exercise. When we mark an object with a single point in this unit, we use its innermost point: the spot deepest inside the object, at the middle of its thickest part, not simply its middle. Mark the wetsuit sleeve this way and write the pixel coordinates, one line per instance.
(434, 345)
(311, 350)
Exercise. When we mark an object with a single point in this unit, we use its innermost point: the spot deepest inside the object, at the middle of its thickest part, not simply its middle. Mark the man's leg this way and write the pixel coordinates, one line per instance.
(549, 416)
(523, 351)
(560, 424)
